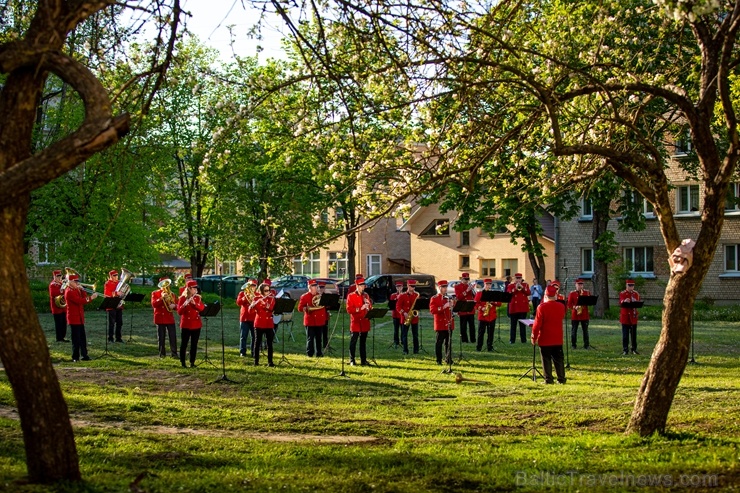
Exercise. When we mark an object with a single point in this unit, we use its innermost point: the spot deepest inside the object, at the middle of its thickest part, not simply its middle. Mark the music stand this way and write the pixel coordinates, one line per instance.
(421, 304)
(223, 377)
(284, 305)
(372, 315)
(209, 311)
(502, 297)
(331, 302)
(342, 373)
(108, 302)
(462, 306)
(632, 304)
(535, 371)
(133, 298)
(587, 301)
(392, 307)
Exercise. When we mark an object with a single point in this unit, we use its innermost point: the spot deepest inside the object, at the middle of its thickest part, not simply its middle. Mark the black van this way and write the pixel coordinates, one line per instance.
(381, 287)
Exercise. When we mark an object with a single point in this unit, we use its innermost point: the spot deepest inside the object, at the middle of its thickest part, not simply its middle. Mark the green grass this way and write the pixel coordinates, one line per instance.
(402, 426)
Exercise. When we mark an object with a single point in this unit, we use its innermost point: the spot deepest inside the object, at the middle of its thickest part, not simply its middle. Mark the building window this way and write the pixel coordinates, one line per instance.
(229, 268)
(510, 266)
(464, 261)
(465, 238)
(338, 214)
(688, 198)
(640, 202)
(46, 251)
(587, 209)
(683, 145)
(325, 217)
(587, 260)
(309, 265)
(732, 203)
(639, 260)
(488, 267)
(731, 258)
(338, 264)
(373, 265)
(438, 227)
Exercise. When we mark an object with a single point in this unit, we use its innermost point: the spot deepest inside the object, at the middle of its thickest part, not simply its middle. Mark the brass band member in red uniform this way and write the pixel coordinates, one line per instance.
(189, 306)
(358, 305)
(518, 307)
(396, 315)
(440, 306)
(578, 314)
(628, 317)
(486, 316)
(409, 316)
(186, 278)
(58, 312)
(263, 306)
(313, 318)
(115, 315)
(246, 317)
(76, 299)
(464, 292)
(547, 331)
(164, 304)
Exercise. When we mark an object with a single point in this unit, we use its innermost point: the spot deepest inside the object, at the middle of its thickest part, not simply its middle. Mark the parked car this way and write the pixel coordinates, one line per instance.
(496, 286)
(241, 279)
(382, 286)
(295, 286)
(343, 287)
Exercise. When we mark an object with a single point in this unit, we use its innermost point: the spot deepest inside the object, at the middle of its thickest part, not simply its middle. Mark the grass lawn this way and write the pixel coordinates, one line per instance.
(402, 426)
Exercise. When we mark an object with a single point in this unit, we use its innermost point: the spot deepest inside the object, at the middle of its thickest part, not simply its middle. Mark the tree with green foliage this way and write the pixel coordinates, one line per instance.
(33, 45)
(595, 86)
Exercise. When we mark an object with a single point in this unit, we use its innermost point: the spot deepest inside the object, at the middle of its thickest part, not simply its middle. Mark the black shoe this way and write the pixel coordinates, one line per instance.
(62, 340)
(634, 351)
(352, 363)
(512, 342)
(624, 353)
(439, 363)
(75, 360)
(479, 349)
(405, 351)
(85, 358)
(119, 340)
(242, 355)
(490, 349)
(175, 356)
(192, 365)
(587, 347)
(271, 365)
(319, 355)
(110, 339)
(183, 364)
(365, 363)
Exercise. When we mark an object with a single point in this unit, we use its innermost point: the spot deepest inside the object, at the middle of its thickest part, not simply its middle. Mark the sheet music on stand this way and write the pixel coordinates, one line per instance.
(283, 305)
(330, 301)
(376, 313)
(463, 306)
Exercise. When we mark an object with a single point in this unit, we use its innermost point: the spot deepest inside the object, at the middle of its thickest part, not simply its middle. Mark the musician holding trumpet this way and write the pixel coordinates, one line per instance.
(358, 306)
(115, 315)
(409, 316)
(440, 306)
(246, 317)
(56, 292)
(486, 316)
(578, 314)
(263, 306)
(75, 299)
(314, 316)
(518, 307)
(189, 306)
(464, 292)
(164, 304)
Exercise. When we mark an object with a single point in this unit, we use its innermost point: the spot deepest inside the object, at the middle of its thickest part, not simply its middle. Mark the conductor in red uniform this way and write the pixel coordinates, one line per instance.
(628, 317)
(58, 312)
(441, 309)
(76, 299)
(578, 315)
(358, 305)
(189, 306)
(518, 307)
(547, 331)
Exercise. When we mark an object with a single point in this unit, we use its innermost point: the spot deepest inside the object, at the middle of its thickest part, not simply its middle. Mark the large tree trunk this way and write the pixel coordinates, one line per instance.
(600, 279)
(51, 454)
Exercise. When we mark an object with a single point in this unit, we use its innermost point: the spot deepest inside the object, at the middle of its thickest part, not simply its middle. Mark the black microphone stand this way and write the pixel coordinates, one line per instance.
(108, 302)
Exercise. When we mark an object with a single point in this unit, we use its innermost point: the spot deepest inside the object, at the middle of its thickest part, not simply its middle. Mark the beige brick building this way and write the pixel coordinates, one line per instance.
(439, 250)
(645, 251)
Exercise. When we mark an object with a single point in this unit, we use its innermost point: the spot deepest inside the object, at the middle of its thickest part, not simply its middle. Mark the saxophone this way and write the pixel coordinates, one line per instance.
(412, 313)
(487, 309)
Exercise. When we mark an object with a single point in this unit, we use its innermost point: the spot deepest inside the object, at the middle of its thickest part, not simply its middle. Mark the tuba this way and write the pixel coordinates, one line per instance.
(168, 297)
(123, 287)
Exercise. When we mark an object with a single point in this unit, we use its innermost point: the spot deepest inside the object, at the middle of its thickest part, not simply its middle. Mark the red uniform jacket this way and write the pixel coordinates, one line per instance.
(263, 307)
(396, 296)
(109, 290)
(480, 307)
(464, 292)
(520, 298)
(404, 303)
(572, 300)
(547, 329)
(162, 316)
(442, 316)
(245, 313)
(311, 318)
(190, 314)
(357, 311)
(55, 289)
(628, 316)
(76, 300)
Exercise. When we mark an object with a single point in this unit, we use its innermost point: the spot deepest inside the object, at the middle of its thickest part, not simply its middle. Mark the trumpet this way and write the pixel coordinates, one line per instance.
(519, 286)
(459, 378)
